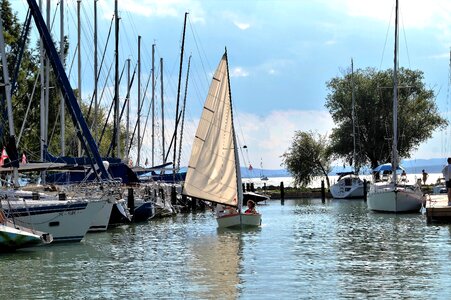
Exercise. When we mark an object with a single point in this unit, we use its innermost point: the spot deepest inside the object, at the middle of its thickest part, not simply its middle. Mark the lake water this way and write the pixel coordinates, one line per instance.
(316, 182)
(305, 249)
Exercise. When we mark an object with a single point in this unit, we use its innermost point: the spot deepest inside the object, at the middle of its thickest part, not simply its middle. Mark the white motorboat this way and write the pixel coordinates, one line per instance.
(348, 185)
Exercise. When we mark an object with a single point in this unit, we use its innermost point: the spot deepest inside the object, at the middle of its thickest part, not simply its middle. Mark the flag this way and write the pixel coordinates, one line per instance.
(24, 158)
(3, 157)
(250, 167)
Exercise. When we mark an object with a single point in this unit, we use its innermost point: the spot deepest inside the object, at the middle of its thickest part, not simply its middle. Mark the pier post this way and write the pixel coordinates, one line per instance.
(365, 190)
(173, 195)
(323, 191)
(282, 193)
(252, 187)
(244, 187)
(131, 201)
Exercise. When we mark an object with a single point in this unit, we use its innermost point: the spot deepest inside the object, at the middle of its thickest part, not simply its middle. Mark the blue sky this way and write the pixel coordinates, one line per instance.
(281, 54)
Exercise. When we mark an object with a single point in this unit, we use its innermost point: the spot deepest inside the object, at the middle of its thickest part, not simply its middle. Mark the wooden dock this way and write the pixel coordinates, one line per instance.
(437, 209)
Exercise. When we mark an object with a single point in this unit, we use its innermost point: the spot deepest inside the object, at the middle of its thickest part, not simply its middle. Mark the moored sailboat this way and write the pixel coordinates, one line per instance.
(13, 236)
(394, 196)
(214, 171)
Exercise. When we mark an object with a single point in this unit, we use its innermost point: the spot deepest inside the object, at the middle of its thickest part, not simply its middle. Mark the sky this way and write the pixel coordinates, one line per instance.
(281, 55)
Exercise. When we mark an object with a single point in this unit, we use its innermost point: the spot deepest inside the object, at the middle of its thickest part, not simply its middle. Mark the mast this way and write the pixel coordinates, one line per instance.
(116, 85)
(183, 113)
(79, 61)
(63, 109)
(153, 105)
(395, 101)
(235, 144)
(178, 97)
(8, 101)
(139, 102)
(353, 116)
(162, 109)
(41, 99)
(127, 113)
(96, 79)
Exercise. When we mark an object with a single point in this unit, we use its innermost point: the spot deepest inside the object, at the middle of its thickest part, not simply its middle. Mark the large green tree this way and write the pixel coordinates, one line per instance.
(418, 115)
(307, 157)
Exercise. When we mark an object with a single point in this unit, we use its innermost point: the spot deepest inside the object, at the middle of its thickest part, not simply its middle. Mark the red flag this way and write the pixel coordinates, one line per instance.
(3, 157)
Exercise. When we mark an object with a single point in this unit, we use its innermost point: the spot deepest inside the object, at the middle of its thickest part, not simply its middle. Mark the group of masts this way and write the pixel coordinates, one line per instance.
(176, 143)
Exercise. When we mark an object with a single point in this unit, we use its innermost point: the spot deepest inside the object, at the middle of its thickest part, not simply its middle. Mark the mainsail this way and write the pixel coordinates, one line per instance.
(213, 171)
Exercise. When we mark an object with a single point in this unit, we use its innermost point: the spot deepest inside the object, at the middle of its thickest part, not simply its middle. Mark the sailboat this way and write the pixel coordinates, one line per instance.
(349, 184)
(214, 168)
(394, 196)
(13, 236)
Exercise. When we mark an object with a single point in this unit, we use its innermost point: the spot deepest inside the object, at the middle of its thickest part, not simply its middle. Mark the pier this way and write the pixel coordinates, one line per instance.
(437, 209)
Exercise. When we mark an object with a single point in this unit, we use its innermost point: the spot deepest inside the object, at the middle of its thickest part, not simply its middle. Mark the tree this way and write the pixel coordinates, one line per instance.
(418, 115)
(307, 157)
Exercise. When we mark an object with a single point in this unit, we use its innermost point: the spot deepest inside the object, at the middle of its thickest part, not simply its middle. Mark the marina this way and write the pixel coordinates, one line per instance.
(140, 185)
(304, 249)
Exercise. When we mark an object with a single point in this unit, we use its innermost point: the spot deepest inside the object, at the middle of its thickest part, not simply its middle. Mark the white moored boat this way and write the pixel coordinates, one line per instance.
(65, 220)
(393, 194)
(348, 185)
(214, 170)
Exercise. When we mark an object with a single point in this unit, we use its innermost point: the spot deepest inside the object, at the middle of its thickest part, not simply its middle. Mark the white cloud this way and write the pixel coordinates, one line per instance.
(242, 26)
(238, 72)
(156, 8)
(268, 137)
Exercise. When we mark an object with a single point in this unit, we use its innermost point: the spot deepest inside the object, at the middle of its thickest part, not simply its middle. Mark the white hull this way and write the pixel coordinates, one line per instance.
(341, 191)
(395, 200)
(101, 220)
(64, 220)
(239, 220)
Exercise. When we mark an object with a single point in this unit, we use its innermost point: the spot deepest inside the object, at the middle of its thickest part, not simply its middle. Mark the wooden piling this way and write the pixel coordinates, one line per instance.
(131, 201)
(365, 189)
(173, 195)
(323, 191)
(282, 193)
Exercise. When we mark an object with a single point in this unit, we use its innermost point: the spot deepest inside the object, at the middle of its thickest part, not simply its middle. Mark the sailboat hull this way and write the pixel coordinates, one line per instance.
(239, 220)
(13, 237)
(395, 200)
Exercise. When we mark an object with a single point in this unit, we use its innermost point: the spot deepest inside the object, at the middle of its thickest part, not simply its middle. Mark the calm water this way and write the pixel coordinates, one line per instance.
(305, 249)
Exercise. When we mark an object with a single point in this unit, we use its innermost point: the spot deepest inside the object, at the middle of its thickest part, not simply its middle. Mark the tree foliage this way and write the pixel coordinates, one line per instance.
(307, 157)
(418, 115)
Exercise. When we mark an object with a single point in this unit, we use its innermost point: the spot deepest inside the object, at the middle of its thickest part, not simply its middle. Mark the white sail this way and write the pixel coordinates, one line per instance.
(212, 173)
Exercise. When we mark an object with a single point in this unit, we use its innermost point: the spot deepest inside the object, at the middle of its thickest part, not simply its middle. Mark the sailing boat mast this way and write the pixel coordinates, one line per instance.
(178, 97)
(353, 116)
(8, 101)
(235, 144)
(395, 101)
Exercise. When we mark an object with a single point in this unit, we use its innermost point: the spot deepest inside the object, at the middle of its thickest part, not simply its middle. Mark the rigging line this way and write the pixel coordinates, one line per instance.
(199, 52)
(405, 41)
(183, 114)
(386, 37)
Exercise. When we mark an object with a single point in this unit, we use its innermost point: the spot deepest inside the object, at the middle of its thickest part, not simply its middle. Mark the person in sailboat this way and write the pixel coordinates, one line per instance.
(446, 174)
(222, 210)
(250, 207)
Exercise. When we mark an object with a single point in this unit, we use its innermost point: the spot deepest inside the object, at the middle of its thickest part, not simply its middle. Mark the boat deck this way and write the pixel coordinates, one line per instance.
(437, 209)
